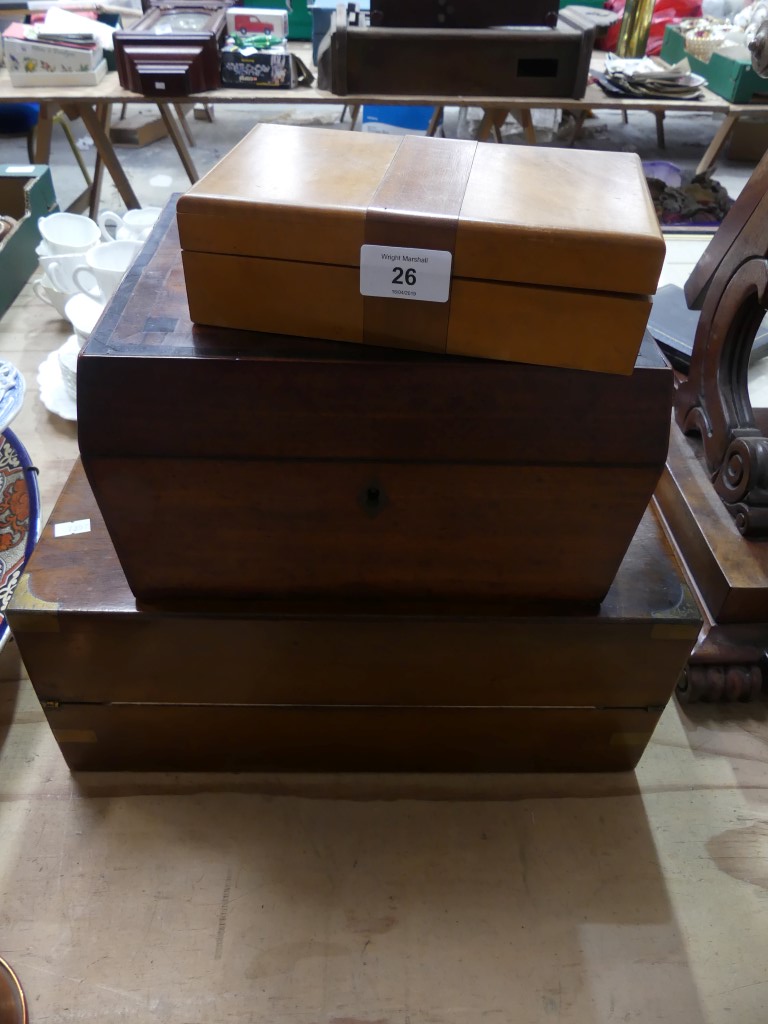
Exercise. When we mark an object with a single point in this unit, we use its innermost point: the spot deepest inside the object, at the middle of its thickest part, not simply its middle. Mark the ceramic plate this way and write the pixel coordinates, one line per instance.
(12, 388)
(19, 518)
(53, 393)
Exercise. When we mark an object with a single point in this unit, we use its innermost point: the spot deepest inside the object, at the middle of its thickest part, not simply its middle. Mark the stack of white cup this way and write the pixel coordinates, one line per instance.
(83, 265)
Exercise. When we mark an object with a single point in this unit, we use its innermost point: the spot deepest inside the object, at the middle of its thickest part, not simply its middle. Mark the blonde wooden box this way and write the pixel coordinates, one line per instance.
(553, 252)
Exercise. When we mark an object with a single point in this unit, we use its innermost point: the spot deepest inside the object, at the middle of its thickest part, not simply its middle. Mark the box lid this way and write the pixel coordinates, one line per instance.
(560, 217)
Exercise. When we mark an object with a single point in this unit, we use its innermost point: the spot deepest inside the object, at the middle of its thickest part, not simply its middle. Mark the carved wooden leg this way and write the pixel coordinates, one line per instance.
(728, 663)
(713, 683)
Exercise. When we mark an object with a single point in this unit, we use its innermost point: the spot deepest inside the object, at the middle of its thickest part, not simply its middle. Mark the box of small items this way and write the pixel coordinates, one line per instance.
(261, 59)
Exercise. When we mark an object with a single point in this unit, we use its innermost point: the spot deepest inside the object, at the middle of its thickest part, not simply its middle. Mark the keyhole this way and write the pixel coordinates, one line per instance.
(373, 499)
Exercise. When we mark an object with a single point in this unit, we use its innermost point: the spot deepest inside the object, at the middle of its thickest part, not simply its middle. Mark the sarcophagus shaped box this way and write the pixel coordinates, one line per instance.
(231, 464)
(507, 252)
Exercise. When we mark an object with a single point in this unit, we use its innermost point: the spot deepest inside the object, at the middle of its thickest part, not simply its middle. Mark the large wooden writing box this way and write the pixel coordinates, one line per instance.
(336, 686)
(232, 463)
(554, 252)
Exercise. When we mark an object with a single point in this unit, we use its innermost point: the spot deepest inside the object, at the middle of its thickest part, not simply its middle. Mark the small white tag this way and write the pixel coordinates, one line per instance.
(76, 526)
(20, 169)
(159, 85)
(399, 273)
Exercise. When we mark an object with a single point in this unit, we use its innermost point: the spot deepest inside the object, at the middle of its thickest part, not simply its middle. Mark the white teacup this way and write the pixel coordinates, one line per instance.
(60, 268)
(67, 356)
(105, 266)
(134, 224)
(83, 313)
(68, 232)
(44, 290)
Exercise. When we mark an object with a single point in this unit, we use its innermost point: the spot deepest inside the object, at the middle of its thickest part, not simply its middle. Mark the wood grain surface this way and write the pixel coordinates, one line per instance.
(337, 470)
(342, 686)
(565, 221)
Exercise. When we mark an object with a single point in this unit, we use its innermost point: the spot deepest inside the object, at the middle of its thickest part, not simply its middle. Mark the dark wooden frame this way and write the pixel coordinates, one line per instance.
(172, 64)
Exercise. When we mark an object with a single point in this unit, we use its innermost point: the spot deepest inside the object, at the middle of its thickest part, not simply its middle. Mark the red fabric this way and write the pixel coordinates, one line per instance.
(665, 12)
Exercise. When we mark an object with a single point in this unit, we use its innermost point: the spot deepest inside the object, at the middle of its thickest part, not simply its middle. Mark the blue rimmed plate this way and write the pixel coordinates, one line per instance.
(12, 388)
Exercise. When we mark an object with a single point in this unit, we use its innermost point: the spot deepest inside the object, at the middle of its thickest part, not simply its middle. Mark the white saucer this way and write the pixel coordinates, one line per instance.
(53, 393)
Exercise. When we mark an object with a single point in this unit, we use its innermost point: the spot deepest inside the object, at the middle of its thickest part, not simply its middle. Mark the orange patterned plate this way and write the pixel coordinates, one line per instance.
(13, 1005)
(19, 520)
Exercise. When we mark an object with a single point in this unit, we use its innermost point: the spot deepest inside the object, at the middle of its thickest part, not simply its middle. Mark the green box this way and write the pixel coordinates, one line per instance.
(734, 80)
(583, 3)
(299, 19)
(26, 193)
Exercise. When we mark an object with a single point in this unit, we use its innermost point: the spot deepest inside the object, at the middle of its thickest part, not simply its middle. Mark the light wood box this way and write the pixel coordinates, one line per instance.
(555, 252)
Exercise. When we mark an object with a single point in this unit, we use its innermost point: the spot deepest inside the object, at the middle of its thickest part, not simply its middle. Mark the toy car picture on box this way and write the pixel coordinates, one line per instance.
(257, 19)
(261, 59)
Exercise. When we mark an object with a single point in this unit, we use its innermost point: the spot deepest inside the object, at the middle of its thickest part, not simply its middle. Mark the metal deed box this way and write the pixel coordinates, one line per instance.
(542, 256)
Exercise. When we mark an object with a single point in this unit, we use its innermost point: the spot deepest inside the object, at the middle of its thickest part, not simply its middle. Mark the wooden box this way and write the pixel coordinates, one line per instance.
(173, 49)
(462, 13)
(444, 62)
(231, 463)
(339, 686)
(551, 253)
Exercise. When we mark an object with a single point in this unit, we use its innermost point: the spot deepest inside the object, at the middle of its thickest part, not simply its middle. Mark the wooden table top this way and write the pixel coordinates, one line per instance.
(109, 90)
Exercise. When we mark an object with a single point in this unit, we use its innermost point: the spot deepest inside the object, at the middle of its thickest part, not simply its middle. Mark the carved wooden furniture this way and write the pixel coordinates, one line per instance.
(319, 469)
(714, 491)
(551, 254)
(342, 685)
(173, 50)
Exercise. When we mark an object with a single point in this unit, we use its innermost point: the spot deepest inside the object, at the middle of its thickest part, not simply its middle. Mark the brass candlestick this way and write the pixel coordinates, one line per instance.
(635, 26)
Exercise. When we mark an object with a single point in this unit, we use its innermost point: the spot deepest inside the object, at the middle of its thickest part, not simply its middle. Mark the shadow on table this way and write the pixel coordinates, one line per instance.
(11, 671)
(397, 898)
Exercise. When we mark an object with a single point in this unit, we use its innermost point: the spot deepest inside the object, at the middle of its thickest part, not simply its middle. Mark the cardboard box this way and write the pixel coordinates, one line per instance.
(25, 56)
(273, 69)
(22, 79)
(257, 19)
(748, 139)
(26, 193)
(734, 80)
(137, 130)
(299, 19)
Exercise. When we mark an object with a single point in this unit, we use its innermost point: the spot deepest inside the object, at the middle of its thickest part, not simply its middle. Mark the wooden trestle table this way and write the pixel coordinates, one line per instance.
(94, 105)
